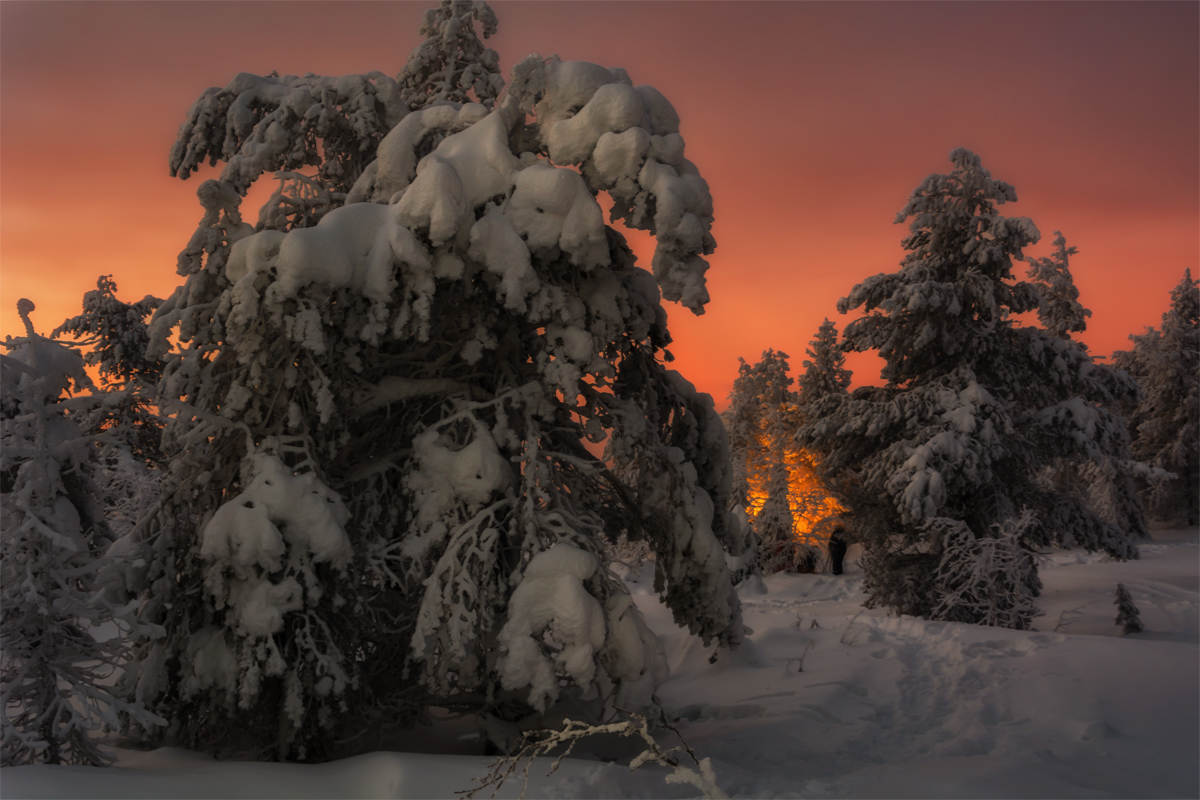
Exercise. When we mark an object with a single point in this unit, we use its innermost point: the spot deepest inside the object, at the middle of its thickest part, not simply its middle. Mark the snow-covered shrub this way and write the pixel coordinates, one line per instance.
(975, 406)
(1127, 612)
(563, 741)
(55, 676)
(984, 579)
(1165, 421)
(427, 360)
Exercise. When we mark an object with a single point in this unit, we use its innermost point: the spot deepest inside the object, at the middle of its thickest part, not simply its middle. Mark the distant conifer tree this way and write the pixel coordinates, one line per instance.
(1165, 422)
(1127, 612)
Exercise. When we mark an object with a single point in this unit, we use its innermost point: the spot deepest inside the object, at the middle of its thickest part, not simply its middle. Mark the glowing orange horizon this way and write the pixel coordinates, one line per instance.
(812, 122)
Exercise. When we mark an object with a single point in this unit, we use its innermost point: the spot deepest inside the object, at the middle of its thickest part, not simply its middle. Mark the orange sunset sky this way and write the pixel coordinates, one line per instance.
(812, 123)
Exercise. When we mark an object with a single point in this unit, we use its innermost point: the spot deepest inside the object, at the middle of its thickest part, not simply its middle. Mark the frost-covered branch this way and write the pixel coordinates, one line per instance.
(546, 742)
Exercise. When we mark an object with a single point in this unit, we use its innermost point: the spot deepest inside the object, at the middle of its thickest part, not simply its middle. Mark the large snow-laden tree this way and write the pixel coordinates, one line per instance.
(382, 500)
(55, 676)
(974, 407)
(1165, 422)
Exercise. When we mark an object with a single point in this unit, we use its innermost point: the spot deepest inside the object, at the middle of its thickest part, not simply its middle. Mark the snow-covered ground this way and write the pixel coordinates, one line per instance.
(883, 707)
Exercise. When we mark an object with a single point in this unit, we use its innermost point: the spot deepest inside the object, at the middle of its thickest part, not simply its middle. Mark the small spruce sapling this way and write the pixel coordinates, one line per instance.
(1127, 612)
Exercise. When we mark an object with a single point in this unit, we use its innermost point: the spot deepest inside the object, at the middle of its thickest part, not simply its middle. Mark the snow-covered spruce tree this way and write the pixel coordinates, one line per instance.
(741, 420)
(382, 501)
(824, 375)
(1127, 613)
(115, 337)
(1104, 480)
(55, 674)
(984, 580)
(826, 372)
(974, 407)
(1165, 422)
(1059, 309)
(774, 520)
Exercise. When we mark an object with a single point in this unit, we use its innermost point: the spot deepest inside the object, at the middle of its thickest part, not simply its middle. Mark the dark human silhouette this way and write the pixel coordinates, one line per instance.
(837, 550)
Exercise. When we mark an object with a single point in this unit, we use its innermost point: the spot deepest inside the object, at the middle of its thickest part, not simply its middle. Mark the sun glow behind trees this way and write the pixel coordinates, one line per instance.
(776, 482)
(812, 506)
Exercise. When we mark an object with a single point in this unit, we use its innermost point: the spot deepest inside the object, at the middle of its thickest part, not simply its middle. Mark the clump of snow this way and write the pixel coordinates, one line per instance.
(465, 170)
(625, 140)
(277, 510)
(551, 599)
(633, 655)
(395, 164)
(282, 521)
(556, 626)
(469, 475)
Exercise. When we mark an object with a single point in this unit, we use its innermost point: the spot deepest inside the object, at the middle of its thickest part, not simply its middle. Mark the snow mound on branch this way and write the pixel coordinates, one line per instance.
(552, 603)
(278, 506)
(360, 247)
(552, 207)
(356, 246)
(625, 140)
(470, 475)
(498, 246)
(395, 164)
(465, 170)
(280, 514)
(551, 597)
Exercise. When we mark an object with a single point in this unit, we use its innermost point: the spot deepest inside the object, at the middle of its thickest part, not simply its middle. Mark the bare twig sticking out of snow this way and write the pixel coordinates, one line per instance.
(798, 659)
(539, 743)
(1069, 616)
(848, 627)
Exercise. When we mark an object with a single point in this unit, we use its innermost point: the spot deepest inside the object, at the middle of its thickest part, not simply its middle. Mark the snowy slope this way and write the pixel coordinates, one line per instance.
(884, 706)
